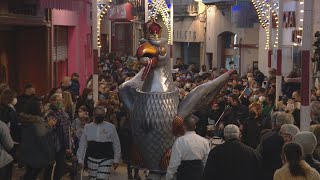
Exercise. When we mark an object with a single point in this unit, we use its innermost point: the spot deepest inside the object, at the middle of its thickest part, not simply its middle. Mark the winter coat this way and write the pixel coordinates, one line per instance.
(6, 144)
(233, 160)
(29, 105)
(284, 173)
(36, 148)
(271, 149)
(251, 132)
(312, 162)
(9, 116)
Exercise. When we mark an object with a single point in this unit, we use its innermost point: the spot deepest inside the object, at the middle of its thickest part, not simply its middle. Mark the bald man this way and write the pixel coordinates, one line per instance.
(189, 153)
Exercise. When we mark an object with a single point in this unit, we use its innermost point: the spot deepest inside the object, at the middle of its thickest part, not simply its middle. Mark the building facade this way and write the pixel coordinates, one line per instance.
(61, 45)
(232, 35)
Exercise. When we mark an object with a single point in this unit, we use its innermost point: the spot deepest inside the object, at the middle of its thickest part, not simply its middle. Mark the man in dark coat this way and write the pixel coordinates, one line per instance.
(271, 146)
(75, 85)
(236, 113)
(28, 103)
(233, 159)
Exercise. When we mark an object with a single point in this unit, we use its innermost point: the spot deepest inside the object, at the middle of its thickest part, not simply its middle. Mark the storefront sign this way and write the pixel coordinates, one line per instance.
(188, 30)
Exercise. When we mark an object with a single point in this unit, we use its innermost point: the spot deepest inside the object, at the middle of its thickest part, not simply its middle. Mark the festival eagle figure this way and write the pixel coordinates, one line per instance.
(152, 100)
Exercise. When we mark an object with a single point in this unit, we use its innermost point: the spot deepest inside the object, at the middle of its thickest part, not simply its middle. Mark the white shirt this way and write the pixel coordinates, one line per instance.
(104, 132)
(188, 147)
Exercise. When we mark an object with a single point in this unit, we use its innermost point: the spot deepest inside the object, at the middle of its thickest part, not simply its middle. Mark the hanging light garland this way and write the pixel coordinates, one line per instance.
(300, 29)
(266, 12)
(102, 9)
(262, 9)
(161, 7)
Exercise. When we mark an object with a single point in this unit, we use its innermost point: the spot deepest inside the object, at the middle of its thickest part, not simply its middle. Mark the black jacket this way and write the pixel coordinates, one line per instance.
(312, 162)
(271, 154)
(251, 132)
(36, 148)
(9, 115)
(236, 115)
(28, 105)
(233, 160)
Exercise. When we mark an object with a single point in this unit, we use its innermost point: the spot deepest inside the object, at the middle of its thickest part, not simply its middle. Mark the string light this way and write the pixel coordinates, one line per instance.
(102, 9)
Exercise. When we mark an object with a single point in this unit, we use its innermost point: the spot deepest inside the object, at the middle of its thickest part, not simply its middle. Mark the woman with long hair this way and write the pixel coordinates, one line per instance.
(295, 168)
(68, 104)
(252, 128)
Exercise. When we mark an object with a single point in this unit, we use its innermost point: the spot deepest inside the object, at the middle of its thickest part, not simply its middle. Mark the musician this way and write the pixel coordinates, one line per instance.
(236, 113)
(238, 90)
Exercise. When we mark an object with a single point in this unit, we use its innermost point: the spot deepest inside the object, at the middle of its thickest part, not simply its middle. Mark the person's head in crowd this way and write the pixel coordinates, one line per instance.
(75, 77)
(102, 88)
(307, 140)
(8, 97)
(293, 155)
(315, 112)
(189, 76)
(188, 87)
(250, 77)
(255, 86)
(84, 120)
(316, 132)
(189, 123)
(85, 94)
(296, 96)
(270, 99)
(83, 111)
(56, 101)
(245, 81)
(179, 61)
(240, 82)
(99, 114)
(3, 87)
(66, 81)
(290, 107)
(204, 68)
(237, 89)
(273, 117)
(288, 131)
(283, 118)
(231, 131)
(272, 73)
(233, 100)
(67, 99)
(262, 97)
(29, 90)
(255, 109)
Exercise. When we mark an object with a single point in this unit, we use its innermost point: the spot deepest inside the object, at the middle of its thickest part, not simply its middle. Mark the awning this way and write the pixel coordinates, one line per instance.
(61, 4)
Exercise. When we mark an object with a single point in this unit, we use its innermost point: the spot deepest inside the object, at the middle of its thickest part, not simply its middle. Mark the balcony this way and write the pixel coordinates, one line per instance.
(23, 9)
(23, 14)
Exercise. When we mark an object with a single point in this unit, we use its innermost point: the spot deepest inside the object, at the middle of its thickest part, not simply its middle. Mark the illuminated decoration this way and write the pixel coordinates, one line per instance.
(266, 13)
(102, 9)
(161, 7)
(300, 28)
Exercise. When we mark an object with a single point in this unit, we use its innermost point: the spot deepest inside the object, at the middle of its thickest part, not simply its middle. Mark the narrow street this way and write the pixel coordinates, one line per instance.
(119, 174)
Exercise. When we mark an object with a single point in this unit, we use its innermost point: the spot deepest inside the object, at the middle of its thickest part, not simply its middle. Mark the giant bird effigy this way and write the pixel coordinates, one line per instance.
(152, 99)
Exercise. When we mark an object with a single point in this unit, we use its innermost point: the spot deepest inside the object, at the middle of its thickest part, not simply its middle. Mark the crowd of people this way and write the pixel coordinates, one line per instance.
(244, 133)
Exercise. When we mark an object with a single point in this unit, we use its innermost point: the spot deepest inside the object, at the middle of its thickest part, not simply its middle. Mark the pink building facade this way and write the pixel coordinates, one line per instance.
(72, 43)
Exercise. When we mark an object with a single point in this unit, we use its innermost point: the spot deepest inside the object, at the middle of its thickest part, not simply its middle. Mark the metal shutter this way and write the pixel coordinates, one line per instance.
(60, 46)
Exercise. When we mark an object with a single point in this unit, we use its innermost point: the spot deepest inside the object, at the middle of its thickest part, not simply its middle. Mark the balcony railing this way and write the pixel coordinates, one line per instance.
(23, 9)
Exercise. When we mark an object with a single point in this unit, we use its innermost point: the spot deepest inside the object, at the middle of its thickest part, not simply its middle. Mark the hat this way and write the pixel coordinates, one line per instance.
(28, 86)
(307, 141)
